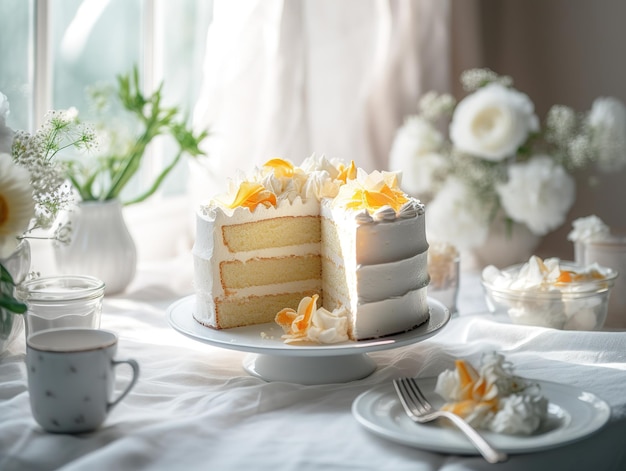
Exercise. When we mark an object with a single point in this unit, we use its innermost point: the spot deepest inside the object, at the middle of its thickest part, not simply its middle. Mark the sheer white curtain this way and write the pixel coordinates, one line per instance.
(289, 78)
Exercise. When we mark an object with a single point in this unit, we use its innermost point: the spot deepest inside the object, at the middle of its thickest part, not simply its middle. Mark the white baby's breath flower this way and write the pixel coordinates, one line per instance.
(560, 124)
(415, 152)
(493, 122)
(607, 120)
(433, 105)
(579, 152)
(455, 216)
(538, 193)
(473, 79)
(17, 206)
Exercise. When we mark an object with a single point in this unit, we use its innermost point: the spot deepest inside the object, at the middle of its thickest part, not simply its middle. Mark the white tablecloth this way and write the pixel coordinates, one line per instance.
(195, 408)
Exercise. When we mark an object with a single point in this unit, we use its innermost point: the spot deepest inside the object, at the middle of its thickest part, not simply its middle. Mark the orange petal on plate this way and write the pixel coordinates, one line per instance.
(306, 308)
(296, 323)
(467, 375)
(461, 408)
(285, 317)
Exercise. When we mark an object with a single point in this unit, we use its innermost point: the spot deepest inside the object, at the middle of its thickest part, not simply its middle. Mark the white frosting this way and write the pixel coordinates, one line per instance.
(391, 315)
(519, 407)
(385, 260)
(378, 241)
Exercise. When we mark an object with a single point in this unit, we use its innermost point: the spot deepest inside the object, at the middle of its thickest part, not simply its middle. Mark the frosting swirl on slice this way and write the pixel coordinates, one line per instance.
(492, 398)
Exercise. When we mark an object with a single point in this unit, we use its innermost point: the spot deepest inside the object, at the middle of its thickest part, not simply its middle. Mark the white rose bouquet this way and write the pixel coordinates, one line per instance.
(496, 164)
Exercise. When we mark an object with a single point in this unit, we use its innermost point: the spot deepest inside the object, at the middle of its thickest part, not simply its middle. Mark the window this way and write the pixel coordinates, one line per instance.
(52, 50)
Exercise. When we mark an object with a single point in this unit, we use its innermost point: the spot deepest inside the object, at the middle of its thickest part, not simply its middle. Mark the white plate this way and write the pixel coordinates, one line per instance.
(266, 338)
(273, 360)
(572, 415)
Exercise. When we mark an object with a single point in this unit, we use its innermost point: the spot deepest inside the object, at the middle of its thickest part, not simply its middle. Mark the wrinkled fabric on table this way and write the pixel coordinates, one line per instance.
(195, 408)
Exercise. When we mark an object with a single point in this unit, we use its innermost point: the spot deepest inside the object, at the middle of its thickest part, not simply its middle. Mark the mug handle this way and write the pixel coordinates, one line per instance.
(135, 366)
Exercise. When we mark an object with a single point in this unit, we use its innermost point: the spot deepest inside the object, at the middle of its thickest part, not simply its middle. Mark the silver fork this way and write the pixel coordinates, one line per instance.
(421, 411)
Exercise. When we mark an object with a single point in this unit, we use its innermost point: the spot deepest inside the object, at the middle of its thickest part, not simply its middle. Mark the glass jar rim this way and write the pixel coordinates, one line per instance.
(573, 289)
(61, 288)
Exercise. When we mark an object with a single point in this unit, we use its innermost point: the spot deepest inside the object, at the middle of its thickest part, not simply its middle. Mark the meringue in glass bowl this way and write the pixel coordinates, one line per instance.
(550, 293)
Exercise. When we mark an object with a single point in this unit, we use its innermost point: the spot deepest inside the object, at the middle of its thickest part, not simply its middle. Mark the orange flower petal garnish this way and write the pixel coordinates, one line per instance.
(466, 407)
(373, 200)
(347, 173)
(567, 276)
(281, 168)
(251, 194)
(296, 323)
(377, 199)
(467, 377)
(475, 391)
(564, 277)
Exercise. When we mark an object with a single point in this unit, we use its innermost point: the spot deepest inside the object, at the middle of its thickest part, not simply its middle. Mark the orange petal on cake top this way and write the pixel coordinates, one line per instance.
(281, 168)
(373, 200)
(251, 194)
(396, 195)
(347, 173)
(295, 324)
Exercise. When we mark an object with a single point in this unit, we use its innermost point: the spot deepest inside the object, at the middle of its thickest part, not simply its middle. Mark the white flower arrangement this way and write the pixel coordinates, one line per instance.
(33, 189)
(35, 157)
(497, 165)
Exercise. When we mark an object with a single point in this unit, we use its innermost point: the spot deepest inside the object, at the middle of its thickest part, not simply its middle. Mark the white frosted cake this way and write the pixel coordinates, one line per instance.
(326, 229)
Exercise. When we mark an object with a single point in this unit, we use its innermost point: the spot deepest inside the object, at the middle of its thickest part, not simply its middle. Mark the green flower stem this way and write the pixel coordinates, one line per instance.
(157, 182)
(107, 179)
(7, 299)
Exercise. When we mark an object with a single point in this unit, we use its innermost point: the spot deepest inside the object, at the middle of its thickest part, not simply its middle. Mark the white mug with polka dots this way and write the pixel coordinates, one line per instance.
(71, 378)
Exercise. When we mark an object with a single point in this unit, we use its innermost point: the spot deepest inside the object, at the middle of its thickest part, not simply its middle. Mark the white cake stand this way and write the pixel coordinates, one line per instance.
(273, 360)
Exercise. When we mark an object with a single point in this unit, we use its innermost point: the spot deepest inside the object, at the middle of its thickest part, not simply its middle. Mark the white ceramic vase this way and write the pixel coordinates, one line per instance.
(18, 265)
(100, 245)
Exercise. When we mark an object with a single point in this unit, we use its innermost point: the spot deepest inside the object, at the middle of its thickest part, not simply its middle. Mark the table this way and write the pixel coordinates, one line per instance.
(195, 408)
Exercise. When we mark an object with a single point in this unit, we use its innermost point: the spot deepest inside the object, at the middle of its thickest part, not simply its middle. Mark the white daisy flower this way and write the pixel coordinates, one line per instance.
(17, 206)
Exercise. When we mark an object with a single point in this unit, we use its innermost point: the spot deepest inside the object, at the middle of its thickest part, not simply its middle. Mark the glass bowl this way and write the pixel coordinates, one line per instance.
(576, 305)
